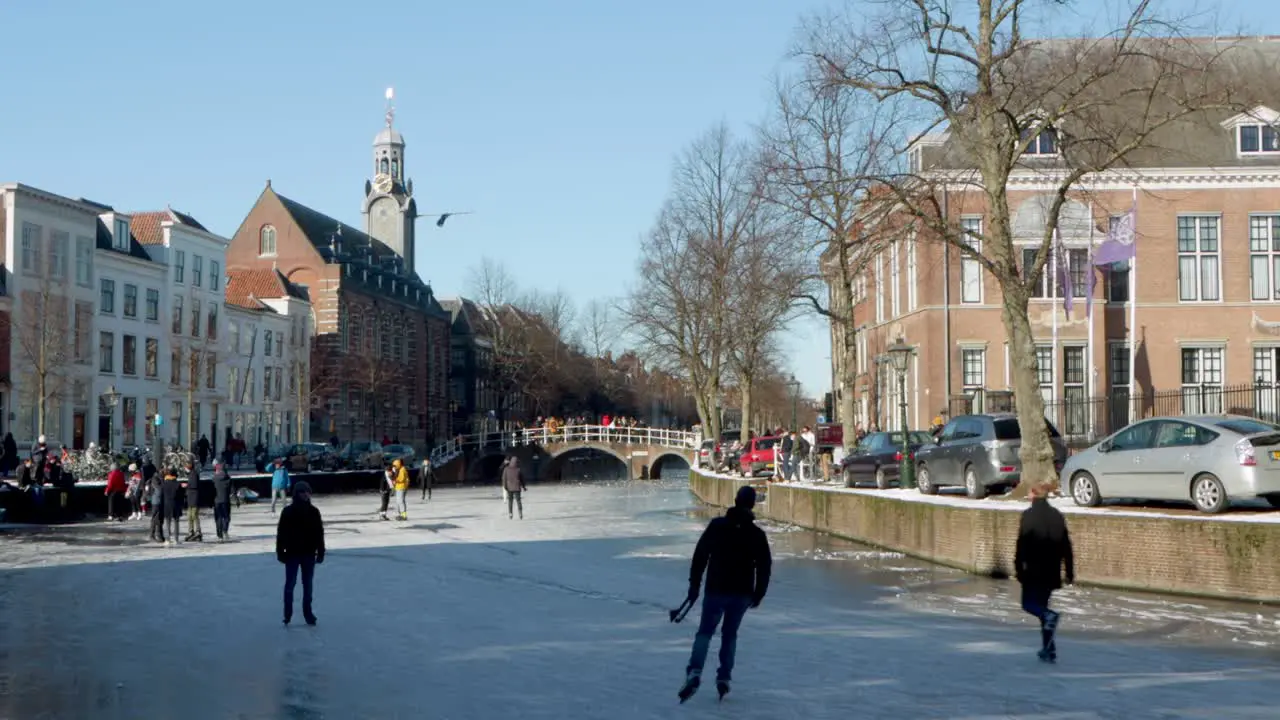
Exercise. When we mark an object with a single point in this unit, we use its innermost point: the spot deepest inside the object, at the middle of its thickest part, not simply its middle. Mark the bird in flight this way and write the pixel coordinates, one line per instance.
(442, 217)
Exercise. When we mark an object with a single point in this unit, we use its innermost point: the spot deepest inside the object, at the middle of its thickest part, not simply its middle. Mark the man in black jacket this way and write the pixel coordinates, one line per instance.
(221, 500)
(1044, 547)
(300, 546)
(735, 554)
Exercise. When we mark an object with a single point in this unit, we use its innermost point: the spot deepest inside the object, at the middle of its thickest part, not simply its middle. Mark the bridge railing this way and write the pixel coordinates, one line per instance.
(661, 437)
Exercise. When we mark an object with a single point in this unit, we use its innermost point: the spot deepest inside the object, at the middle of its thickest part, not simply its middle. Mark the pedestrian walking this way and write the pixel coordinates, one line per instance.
(735, 555)
(400, 483)
(428, 477)
(300, 547)
(193, 502)
(279, 483)
(117, 485)
(171, 504)
(788, 446)
(388, 482)
(221, 500)
(155, 492)
(134, 492)
(513, 484)
(203, 450)
(1043, 552)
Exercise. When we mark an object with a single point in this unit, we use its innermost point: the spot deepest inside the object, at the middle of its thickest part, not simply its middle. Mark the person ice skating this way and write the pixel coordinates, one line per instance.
(221, 500)
(1043, 551)
(279, 483)
(300, 547)
(513, 483)
(735, 554)
(388, 483)
(171, 505)
(400, 483)
(194, 533)
(155, 491)
(428, 477)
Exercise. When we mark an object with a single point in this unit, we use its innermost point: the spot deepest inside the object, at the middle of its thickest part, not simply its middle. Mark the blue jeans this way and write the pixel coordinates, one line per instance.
(291, 566)
(714, 607)
(1035, 601)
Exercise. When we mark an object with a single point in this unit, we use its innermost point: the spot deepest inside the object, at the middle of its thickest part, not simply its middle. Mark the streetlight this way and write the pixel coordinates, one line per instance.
(900, 354)
(110, 398)
(795, 399)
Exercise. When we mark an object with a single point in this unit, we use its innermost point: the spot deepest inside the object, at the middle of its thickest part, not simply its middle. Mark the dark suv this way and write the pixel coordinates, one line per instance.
(980, 453)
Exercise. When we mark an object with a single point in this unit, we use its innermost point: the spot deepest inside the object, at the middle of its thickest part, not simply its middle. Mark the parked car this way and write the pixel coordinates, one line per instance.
(707, 454)
(361, 455)
(757, 456)
(878, 458)
(1210, 460)
(980, 453)
(406, 453)
(305, 457)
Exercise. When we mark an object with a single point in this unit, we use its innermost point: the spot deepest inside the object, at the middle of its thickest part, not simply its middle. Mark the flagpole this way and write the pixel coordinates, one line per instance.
(1091, 367)
(1133, 314)
(1053, 308)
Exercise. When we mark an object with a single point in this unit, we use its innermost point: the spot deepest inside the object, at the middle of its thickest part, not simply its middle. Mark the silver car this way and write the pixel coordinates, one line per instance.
(982, 453)
(1208, 459)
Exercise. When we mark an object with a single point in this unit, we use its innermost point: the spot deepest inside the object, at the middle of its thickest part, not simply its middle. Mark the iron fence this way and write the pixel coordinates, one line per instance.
(1085, 419)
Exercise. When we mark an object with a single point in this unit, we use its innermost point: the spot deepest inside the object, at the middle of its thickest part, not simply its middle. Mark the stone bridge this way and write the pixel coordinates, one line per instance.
(544, 454)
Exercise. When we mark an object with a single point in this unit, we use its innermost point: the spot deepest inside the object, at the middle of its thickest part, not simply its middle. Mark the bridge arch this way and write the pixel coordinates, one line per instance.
(559, 457)
(667, 459)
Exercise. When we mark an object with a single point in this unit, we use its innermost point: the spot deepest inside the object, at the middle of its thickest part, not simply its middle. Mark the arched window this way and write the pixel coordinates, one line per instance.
(267, 241)
(382, 166)
(395, 168)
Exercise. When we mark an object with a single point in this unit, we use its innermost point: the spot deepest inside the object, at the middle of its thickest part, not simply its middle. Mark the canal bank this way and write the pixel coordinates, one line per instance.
(1230, 557)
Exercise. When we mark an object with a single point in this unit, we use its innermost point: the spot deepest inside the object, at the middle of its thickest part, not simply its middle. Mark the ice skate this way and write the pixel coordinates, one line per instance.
(691, 684)
(722, 687)
(1047, 655)
(311, 619)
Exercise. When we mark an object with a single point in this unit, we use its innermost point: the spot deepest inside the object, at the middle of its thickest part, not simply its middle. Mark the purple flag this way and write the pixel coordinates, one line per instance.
(1120, 246)
(1062, 260)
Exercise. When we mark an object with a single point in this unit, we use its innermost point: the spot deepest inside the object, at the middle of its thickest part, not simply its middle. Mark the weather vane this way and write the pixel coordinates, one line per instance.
(391, 108)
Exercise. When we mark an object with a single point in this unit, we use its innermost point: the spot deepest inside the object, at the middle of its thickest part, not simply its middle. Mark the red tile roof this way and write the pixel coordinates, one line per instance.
(147, 225)
(246, 287)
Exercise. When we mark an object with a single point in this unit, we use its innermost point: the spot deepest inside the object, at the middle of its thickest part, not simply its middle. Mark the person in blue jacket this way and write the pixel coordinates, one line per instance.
(279, 484)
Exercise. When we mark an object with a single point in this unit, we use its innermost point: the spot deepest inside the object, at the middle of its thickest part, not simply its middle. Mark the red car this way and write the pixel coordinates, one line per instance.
(758, 456)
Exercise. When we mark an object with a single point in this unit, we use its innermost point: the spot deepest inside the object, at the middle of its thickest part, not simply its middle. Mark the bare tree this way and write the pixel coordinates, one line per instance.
(194, 344)
(48, 346)
(491, 283)
(680, 310)
(518, 371)
(1106, 103)
(826, 145)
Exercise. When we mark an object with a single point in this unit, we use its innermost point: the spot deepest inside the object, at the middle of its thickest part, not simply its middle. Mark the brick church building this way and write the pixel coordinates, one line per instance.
(381, 350)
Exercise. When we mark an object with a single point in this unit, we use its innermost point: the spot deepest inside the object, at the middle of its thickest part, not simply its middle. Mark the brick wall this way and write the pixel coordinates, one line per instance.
(1215, 558)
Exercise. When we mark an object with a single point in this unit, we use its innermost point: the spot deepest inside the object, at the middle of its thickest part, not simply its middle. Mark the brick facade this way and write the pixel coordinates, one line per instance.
(1191, 555)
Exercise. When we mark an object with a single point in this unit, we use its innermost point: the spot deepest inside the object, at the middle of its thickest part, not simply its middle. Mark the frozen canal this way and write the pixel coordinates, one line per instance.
(463, 614)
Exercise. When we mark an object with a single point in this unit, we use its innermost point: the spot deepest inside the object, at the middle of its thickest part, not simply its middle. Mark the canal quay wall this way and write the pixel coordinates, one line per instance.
(1234, 556)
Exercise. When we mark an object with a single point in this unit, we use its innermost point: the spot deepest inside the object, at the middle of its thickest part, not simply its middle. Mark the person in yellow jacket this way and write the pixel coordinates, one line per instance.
(401, 484)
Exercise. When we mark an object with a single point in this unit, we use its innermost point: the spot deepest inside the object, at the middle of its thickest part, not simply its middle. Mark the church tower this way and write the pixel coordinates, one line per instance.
(389, 209)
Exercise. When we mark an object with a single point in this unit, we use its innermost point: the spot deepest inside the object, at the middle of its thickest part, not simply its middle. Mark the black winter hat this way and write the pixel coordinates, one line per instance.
(746, 497)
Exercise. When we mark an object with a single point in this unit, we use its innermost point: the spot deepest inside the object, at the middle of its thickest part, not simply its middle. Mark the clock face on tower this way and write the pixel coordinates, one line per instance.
(384, 222)
(382, 183)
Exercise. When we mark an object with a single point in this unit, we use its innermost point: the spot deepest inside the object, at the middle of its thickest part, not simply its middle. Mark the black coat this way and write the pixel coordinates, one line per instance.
(1044, 547)
(193, 486)
(171, 497)
(735, 554)
(221, 486)
(300, 533)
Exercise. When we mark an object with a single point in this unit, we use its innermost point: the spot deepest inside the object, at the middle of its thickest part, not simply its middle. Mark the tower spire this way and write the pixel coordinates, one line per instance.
(391, 108)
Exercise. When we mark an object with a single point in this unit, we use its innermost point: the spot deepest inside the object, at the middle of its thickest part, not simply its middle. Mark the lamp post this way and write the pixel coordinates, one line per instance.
(900, 355)
(795, 399)
(110, 398)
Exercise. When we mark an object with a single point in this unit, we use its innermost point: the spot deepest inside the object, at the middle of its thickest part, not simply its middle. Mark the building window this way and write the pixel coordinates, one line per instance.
(343, 330)
(1044, 143)
(1259, 138)
(83, 322)
(1076, 416)
(177, 314)
(1118, 282)
(121, 239)
(212, 327)
(130, 420)
(267, 241)
(215, 276)
(32, 248)
(279, 343)
(278, 381)
(175, 367)
(179, 266)
(152, 360)
(175, 415)
(107, 299)
(148, 430)
(1044, 373)
(1078, 259)
(895, 293)
(1201, 380)
(84, 261)
(129, 360)
(233, 382)
(1118, 375)
(1267, 391)
(266, 339)
(1198, 270)
(880, 283)
(911, 275)
(106, 352)
(196, 318)
(266, 382)
(1264, 257)
(130, 300)
(153, 305)
(197, 271)
(59, 246)
(970, 268)
(233, 337)
(211, 371)
(973, 369)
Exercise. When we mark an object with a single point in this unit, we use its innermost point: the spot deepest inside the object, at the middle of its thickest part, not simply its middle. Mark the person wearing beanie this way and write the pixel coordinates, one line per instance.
(300, 547)
(735, 555)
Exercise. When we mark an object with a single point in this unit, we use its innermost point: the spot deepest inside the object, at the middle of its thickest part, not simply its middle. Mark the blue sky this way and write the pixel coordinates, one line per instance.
(556, 122)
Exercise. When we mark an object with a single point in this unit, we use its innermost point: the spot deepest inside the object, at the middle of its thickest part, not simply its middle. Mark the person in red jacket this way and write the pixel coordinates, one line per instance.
(116, 486)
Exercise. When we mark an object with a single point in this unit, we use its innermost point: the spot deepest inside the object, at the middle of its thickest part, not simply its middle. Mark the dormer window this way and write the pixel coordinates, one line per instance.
(120, 241)
(1045, 143)
(1258, 138)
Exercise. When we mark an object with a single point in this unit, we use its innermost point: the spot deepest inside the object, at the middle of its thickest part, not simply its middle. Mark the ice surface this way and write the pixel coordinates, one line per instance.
(463, 613)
